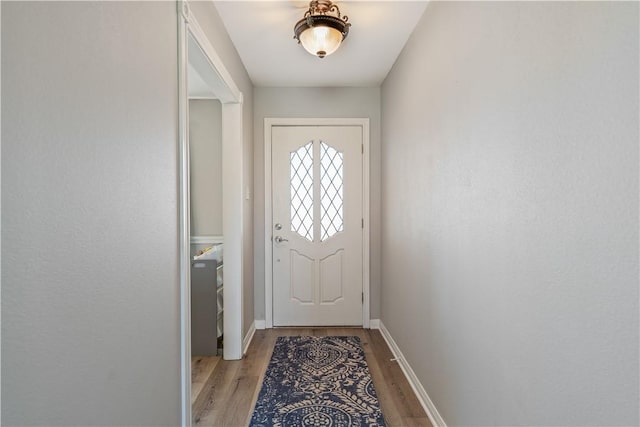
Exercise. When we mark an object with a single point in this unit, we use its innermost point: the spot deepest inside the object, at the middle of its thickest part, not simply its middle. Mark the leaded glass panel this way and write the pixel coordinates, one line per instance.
(331, 189)
(301, 178)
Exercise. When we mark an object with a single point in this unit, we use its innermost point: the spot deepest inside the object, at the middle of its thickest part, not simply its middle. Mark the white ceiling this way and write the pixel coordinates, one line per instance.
(262, 32)
(196, 86)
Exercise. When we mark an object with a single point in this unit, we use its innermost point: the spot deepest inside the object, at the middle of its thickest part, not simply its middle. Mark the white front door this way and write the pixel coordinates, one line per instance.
(317, 227)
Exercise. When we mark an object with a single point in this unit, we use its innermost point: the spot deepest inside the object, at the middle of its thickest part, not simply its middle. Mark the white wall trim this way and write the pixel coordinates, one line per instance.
(374, 324)
(202, 98)
(260, 324)
(184, 231)
(222, 82)
(206, 240)
(426, 402)
(366, 232)
(268, 220)
(268, 254)
(248, 338)
(233, 228)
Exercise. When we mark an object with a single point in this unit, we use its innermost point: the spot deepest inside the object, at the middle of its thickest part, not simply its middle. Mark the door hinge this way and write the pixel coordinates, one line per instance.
(362, 147)
(362, 298)
(362, 222)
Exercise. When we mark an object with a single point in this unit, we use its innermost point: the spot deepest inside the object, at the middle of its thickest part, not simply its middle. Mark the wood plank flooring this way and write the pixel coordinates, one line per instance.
(227, 396)
(201, 369)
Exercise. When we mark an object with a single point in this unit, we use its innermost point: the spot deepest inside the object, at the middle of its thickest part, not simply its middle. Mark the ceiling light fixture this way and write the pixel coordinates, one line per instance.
(322, 28)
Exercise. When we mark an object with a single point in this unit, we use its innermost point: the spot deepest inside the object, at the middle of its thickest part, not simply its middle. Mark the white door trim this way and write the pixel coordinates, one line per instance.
(268, 266)
(232, 142)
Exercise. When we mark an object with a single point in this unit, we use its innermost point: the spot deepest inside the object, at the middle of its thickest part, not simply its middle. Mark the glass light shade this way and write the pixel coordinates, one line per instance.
(321, 40)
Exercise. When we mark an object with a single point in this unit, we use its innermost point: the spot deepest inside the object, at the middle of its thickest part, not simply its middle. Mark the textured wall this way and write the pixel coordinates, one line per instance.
(510, 211)
(205, 154)
(317, 102)
(90, 303)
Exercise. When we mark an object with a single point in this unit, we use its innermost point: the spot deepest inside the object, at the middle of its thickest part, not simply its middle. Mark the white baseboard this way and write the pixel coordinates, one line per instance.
(247, 338)
(374, 324)
(421, 394)
(261, 324)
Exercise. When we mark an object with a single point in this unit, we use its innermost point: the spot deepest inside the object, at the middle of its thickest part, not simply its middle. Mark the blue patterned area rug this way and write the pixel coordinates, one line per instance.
(317, 381)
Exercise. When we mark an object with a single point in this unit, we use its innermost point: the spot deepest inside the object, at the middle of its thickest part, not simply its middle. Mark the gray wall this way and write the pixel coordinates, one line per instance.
(90, 307)
(211, 23)
(205, 151)
(90, 294)
(316, 102)
(510, 211)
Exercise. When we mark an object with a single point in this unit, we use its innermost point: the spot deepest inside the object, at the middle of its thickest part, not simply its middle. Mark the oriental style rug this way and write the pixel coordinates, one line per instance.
(317, 381)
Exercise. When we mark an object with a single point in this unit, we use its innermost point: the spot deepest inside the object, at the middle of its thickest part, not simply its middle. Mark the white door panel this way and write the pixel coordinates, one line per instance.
(317, 225)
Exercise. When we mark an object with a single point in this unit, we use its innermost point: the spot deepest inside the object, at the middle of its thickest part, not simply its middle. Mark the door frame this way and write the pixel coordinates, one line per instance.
(231, 99)
(269, 123)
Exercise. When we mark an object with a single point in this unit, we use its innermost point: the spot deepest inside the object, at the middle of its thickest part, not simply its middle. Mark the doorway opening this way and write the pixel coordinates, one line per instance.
(205, 83)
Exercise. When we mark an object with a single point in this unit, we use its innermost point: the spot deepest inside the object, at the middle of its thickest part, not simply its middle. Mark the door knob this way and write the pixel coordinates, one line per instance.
(279, 239)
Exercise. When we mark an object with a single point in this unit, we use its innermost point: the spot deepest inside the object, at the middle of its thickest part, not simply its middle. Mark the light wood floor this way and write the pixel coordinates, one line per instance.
(227, 390)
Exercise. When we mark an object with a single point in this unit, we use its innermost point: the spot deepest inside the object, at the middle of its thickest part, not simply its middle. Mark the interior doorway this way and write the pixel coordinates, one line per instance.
(201, 69)
(206, 234)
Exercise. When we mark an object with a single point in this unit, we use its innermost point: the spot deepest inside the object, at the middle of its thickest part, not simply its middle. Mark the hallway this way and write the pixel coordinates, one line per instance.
(502, 233)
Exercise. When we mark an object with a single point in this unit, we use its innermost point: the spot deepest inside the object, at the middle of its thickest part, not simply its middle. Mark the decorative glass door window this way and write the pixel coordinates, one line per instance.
(331, 189)
(302, 191)
(330, 182)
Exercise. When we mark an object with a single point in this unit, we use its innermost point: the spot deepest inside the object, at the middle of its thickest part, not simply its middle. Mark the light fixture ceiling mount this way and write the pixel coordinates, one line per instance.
(322, 29)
